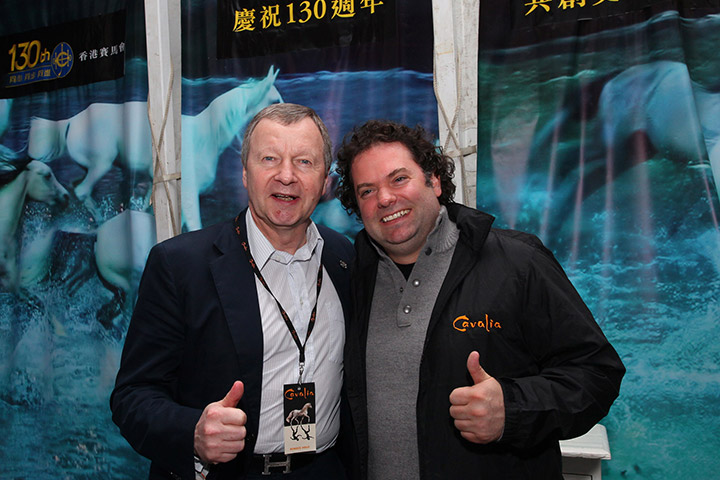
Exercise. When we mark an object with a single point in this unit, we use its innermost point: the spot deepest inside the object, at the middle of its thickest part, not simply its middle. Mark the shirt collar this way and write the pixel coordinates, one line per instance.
(445, 235)
(262, 250)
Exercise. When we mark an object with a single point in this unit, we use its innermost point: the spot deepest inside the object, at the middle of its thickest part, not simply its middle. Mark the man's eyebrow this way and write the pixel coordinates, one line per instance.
(389, 175)
(396, 171)
(362, 185)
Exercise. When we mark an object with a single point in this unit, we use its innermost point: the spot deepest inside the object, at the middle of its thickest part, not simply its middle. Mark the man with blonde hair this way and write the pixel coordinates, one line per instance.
(237, 321)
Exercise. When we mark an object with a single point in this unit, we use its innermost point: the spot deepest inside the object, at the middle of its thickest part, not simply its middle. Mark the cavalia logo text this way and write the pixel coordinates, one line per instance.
(463, 324)
(292, 394)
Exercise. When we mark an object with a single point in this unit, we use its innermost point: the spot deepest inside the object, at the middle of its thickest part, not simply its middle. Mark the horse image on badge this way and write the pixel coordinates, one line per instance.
(299, 408)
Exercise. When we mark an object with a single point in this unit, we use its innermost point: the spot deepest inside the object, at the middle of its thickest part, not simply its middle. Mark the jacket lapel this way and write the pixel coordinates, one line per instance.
(235, 285)
(339, 270)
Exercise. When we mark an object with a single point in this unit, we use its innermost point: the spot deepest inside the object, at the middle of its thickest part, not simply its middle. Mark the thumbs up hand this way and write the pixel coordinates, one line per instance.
(478, 410)
(220, 432)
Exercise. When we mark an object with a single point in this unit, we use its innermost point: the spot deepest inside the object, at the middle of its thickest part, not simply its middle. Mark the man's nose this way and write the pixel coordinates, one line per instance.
(286, 172)
(385, 197)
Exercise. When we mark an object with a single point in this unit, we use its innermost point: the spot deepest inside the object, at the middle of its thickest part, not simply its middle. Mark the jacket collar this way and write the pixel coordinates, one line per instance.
(474, 225)
(227, 239)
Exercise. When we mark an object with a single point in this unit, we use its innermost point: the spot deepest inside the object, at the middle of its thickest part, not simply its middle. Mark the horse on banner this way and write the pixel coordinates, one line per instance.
(120, 248)
(644, 112)
(206, 135)
(5, 105)
(104, 133)
(31, 180)
(95, 138)
(679, 118)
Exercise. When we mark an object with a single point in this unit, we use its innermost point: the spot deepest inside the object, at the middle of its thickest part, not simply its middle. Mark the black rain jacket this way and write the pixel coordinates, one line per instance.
(506, 296)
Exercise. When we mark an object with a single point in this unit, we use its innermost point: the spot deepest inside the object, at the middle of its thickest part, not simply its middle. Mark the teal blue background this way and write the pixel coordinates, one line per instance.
(635, 224)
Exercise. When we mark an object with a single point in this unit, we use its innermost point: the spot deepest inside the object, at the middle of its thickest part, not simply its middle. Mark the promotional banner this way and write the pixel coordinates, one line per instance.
(74, 53)
(598, 131)
(349, 61)
(76, 175)
(70, 208)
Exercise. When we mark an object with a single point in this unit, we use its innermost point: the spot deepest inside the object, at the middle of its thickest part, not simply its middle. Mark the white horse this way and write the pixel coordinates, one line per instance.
(647, 110)
(121, 249)
(206, 135)
(122, 244)
(297, 416)
(34, 181)
(5, 152)
(5, 105)
(40, 235)
(95, 138)
(679, 118)
(105, 132)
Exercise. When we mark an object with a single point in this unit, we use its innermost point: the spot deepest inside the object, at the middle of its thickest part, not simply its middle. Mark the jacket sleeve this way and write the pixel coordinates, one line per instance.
(577, 372)
(143, 401)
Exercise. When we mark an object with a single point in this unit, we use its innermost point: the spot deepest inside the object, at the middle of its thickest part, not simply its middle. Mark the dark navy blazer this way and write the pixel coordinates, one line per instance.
(195, 330)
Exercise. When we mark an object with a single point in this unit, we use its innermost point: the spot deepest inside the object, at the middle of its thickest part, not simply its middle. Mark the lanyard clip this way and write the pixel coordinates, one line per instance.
(302, 369)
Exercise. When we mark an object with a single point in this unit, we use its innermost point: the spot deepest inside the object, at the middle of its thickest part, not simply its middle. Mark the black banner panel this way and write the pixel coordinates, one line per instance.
(255, 27)
(70, 54)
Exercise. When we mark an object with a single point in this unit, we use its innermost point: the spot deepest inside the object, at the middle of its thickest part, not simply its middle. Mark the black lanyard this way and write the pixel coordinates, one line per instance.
(283, 313)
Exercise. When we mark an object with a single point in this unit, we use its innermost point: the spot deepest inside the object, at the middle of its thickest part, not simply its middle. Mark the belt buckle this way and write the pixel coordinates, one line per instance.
(267, 464)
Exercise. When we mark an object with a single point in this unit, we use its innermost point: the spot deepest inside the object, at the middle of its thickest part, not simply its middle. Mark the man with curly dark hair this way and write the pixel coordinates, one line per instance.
(470, 353)
(427, 155)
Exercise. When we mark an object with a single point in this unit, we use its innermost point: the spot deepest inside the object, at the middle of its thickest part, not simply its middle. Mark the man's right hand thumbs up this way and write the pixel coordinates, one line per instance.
(234, 395)
(220, 432)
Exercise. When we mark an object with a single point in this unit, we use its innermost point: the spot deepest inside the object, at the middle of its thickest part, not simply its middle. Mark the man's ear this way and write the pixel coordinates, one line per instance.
(436, 186)
(327, 191)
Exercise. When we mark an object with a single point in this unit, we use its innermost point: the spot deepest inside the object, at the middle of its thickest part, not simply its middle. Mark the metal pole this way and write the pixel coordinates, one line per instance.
(455, 27)
(162, 30)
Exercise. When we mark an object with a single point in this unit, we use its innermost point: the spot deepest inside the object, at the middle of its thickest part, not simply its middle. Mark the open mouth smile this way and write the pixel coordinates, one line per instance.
(285, 198)
(395, 215)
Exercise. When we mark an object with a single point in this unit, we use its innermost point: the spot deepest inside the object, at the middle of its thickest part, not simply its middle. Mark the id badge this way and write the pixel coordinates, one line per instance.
(299, 408)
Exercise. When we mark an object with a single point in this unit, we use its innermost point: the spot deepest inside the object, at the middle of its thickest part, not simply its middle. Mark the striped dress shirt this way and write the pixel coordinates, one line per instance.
(292, 279)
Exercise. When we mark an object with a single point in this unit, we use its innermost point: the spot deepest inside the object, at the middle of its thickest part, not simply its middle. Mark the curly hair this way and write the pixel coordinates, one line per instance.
(428, 156)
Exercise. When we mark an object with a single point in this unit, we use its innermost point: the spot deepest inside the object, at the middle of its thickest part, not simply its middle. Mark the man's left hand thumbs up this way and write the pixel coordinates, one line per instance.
(478, 410)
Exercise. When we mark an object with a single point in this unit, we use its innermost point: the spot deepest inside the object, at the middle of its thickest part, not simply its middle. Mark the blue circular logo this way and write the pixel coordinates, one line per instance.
(61, 60)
